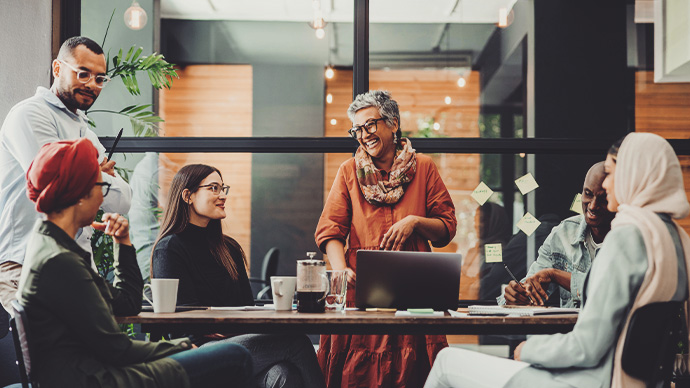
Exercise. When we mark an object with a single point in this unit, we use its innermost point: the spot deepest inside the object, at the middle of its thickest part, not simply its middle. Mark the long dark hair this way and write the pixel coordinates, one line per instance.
(176, 216)
(613, 151)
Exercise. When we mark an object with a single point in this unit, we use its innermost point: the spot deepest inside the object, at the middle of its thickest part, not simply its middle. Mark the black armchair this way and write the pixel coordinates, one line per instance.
(20, 333)
(269, 268)
(651, 343)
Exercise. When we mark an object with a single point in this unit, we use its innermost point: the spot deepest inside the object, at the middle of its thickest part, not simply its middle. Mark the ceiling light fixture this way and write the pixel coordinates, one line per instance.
(317, 23)
(135, 16)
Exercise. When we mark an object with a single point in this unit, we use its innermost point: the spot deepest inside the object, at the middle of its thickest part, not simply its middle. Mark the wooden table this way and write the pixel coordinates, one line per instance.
(348, 322)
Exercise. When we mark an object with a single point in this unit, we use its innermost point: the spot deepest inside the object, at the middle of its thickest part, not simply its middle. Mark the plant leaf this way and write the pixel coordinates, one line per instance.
(129, 53)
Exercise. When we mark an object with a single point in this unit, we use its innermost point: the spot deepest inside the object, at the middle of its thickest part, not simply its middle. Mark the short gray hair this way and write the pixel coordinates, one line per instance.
(381, 99)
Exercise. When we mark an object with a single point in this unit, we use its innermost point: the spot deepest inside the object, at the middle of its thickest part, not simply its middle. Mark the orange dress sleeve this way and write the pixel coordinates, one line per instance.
(440, 206)
(336, 218)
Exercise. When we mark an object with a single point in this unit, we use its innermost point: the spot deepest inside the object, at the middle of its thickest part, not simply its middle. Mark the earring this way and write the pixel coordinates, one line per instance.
(395, 138)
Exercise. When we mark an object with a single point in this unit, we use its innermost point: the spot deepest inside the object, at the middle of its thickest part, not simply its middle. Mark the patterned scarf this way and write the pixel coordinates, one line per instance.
(381, 192)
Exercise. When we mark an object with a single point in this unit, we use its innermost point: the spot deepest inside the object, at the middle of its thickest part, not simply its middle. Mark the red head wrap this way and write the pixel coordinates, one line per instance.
(61, 174)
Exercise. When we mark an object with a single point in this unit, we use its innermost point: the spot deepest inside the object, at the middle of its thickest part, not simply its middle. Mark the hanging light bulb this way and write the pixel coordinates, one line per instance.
(135, 16)
(503, 17)
(329, 72)
(448, 100)
(437, 126)
(329, 98)
(334, 121)
(462, 82)
(320, 33)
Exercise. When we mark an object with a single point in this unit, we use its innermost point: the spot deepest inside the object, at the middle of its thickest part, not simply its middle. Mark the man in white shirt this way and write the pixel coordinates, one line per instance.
(49, 116)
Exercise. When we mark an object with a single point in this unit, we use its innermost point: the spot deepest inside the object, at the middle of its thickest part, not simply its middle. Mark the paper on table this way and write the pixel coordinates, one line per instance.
(526, 183)
(528, 224)
(482, 193)
(576, 206)
(402, 313)
(493, 253)
(458, 314)
(244, 308)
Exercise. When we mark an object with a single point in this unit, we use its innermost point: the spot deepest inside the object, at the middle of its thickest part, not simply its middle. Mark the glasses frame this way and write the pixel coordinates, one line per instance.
(367, 126)
(106, 78)
(104, 186)
(225, 189)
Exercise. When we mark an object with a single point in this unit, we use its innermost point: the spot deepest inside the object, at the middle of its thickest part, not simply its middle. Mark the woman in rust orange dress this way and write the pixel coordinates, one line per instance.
(386, 197)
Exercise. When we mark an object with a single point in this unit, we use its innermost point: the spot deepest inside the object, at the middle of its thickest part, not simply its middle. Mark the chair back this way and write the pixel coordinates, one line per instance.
(269, 268)
(651, 342)
(20, 333)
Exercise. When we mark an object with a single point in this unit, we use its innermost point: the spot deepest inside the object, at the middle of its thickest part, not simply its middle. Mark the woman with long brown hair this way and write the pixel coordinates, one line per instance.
(211, 268)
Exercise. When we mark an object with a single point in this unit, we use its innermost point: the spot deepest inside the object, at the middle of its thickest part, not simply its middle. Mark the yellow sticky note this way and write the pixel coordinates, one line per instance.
(528, 224)
(482, 193)
(526, 183)
(576, 206)
(493, 253)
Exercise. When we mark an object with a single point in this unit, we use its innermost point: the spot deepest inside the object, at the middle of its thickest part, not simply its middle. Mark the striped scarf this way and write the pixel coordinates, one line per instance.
(381, 192)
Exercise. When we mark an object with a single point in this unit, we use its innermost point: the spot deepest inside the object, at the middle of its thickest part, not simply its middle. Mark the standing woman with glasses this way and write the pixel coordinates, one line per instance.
(386, 197)
(191, 247)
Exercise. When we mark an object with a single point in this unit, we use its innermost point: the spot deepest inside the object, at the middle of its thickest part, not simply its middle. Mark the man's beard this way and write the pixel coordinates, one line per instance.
(68, 98)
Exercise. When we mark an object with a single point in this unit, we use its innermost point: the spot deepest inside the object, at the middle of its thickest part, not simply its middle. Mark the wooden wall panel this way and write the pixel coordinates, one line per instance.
(664, 109)
(213, 100)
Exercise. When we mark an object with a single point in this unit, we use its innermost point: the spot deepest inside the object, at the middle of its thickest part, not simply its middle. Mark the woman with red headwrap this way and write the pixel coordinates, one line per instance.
(75, 339)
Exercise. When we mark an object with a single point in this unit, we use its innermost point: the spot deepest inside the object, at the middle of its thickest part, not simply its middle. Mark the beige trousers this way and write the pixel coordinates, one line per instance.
(10, 272)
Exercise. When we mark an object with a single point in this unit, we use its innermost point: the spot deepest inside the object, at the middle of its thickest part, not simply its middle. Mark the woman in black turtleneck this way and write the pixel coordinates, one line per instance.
(211, 268)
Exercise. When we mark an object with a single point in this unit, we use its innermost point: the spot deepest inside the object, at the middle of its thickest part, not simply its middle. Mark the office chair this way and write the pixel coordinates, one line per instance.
(269, 268)
(651, 343)
(20, 333)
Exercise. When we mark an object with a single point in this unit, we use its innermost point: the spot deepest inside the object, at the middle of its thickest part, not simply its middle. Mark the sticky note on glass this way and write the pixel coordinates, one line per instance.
(528, 224)
(526, 183)
(482, 193)
(493, 253)
(576, 206)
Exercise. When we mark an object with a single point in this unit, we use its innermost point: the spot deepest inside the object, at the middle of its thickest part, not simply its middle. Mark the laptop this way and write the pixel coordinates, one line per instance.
(402, 280)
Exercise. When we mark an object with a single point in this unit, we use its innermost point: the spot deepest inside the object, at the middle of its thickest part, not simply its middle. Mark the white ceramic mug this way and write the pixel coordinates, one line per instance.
(283, 289)
(164, 293)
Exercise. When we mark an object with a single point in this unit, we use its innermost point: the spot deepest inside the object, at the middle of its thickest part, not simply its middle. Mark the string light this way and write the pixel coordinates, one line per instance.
(329, 72)
(135, 16)
(462, 82)
(334, 121)
(437, 126)
(329, 98)
(448, 100)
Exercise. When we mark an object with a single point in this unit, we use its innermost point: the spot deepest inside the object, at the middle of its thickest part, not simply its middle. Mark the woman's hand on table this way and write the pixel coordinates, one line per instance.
(396, 236)
(518, 351)
(116, 226)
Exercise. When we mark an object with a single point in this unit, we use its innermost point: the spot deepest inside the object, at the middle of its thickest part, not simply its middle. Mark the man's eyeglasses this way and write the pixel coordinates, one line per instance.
(370, 126)
(85, 76)
(216, 188)
(105, 187)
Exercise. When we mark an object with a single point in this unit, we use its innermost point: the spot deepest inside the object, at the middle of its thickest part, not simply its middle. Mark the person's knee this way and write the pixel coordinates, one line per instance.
(281, 375)
(235, 358)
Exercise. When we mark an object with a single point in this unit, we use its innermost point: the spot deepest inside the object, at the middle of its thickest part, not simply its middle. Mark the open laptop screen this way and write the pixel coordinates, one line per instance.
(403, 280)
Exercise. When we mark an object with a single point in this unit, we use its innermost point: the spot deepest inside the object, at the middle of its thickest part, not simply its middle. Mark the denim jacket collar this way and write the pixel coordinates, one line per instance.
(581, 234)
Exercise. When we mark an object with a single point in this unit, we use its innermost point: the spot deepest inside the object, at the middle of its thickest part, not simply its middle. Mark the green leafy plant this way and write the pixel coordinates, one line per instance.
(126, 65)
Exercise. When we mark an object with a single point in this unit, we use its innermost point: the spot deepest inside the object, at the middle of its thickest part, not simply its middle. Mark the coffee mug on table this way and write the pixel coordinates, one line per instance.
(164, 294)
(283, 289)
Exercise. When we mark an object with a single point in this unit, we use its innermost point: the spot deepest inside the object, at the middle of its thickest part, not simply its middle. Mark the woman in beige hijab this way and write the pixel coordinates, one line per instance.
(644, 260)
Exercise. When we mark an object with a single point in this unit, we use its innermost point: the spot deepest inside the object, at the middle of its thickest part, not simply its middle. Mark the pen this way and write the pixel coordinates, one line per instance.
(117, 139)
(517, 281)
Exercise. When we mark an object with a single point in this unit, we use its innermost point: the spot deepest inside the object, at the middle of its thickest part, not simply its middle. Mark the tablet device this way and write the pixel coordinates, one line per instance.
(402, 280)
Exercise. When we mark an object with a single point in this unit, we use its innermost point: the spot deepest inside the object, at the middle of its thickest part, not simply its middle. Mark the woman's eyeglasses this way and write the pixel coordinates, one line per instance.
(217, 189)
(105, 187)
(370, 126)
(85, 76)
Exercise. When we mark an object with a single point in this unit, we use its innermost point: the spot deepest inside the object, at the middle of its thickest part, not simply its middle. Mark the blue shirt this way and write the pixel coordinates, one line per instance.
(36, 121)
(565, 249)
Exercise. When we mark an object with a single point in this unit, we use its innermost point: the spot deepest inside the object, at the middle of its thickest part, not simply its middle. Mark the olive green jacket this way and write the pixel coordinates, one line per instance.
(75, 341)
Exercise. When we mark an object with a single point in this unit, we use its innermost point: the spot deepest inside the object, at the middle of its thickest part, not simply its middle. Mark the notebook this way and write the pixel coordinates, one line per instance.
(402, 280)
(520, 311)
